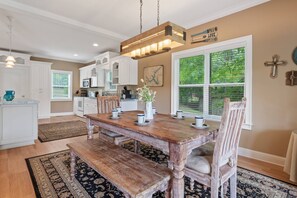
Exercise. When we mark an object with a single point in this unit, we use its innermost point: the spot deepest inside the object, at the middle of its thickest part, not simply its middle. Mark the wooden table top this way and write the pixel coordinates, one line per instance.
(162, 127)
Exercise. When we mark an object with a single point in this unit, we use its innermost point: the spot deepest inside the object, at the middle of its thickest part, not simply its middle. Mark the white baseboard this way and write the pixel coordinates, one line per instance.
(62, 114)
(265, 157)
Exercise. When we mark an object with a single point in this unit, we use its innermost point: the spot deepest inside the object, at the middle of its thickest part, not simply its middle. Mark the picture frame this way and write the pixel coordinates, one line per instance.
(153, 75)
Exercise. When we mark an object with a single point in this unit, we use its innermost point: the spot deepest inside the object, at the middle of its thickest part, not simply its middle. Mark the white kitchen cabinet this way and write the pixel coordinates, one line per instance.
(90, 105)
(124, 71)
(129, 105)
(92, 71)
(18, 123)
(103, 60)
(40, 86)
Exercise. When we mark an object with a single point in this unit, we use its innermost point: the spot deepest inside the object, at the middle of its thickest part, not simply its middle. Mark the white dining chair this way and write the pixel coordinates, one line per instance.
(215, 163)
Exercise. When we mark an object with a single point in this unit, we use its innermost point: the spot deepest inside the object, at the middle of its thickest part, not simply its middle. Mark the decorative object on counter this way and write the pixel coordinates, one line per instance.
(126, 93)
(148, 96)
(208, 35)
(157, 40)
(9, 95)
(274, 65)
(291, 78)
(153, 76)
(10, 60)
(294, 56)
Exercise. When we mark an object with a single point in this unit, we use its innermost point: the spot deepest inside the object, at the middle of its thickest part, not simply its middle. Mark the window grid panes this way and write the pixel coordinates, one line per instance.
(225, 78)
(61, 85)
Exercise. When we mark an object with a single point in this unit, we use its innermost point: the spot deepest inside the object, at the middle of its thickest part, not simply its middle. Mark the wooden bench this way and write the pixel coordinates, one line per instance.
(131, 173)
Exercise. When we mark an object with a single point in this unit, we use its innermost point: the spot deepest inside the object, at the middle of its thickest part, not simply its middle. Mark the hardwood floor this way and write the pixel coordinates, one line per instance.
(15, 179)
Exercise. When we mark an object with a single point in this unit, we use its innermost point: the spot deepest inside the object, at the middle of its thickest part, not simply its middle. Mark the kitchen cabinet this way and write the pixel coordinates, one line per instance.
(124, 71)
(129, 105)
(103, 60)
(90, 105)
(18, 123)
(40, 86)
(92, 71)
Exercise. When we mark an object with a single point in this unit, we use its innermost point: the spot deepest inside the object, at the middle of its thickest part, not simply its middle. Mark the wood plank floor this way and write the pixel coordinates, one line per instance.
(15, 179)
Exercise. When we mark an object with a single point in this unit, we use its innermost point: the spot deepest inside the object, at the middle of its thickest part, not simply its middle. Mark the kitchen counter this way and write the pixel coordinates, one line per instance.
(19, 101)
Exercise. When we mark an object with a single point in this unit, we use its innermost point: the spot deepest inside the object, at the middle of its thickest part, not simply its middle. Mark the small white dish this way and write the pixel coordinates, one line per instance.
(205, 126)
(175, 117)
(114, 118)
(147, 122)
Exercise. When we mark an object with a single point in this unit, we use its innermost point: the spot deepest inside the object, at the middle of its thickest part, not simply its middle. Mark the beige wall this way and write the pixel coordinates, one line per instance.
(274, 30)
(58, 107)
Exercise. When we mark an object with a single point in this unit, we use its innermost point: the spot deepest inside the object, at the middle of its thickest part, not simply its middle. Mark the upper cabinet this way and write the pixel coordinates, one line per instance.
(124, 71)
(103, 59)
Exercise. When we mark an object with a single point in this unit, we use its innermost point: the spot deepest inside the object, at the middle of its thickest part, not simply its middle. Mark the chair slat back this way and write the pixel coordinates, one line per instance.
(226, 147)
(105, 104)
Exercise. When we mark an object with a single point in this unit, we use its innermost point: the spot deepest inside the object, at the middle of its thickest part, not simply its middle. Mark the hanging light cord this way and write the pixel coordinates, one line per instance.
(158, 12)
(10, 34)
(141, 4)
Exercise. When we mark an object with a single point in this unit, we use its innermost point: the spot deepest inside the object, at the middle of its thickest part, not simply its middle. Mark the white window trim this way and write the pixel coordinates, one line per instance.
(70, 85)
(246, 42)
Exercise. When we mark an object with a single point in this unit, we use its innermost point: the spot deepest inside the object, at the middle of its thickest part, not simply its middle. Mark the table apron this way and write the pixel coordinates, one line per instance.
(157, 143)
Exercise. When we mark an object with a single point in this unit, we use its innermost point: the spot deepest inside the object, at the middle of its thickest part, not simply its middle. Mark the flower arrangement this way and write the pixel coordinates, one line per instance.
(145, 94)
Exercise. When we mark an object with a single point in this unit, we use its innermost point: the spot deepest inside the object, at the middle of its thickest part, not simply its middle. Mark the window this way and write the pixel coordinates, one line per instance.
(202, 77)
(61, 85)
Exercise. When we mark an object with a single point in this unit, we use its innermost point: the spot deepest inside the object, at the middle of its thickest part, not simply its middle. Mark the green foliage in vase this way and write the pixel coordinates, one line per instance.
(145, 94)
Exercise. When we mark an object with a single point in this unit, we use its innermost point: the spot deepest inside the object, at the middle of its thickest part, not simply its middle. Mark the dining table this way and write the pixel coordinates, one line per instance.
(175, 137)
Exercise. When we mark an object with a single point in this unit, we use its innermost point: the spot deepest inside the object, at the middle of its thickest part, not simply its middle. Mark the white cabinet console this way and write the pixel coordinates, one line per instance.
(18, 123)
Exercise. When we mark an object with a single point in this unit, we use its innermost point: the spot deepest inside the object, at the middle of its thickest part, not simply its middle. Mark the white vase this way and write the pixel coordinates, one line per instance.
(149, 111)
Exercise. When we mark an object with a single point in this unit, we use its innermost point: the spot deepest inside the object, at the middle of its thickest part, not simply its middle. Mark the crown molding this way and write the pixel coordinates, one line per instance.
(22, 8)
(225, 12)
(57, 58)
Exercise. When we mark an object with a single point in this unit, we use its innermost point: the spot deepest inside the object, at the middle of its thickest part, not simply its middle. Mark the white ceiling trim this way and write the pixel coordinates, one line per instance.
(59, 58)
(19, 7)
(226, 12)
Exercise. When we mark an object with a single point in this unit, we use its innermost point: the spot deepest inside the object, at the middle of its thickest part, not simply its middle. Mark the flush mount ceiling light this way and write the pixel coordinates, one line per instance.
(75, 54)
(10, 59)
(159, 39)
(95, 44)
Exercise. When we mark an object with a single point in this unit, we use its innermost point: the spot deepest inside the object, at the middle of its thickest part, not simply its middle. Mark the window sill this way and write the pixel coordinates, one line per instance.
(61, 100)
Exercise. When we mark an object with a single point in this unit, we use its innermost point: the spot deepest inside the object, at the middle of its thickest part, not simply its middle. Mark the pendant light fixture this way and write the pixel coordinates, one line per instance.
(157, 40)
(10, 59)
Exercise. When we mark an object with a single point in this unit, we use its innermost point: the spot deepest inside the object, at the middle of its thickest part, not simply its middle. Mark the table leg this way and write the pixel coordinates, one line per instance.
(90, 128)
(178, 157)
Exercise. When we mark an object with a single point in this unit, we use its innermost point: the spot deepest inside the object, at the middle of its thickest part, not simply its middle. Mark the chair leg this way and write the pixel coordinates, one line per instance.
(192, 184)
(214, 188)
(233, 185)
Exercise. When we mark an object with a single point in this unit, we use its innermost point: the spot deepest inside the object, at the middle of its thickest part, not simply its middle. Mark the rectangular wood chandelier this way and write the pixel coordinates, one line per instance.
(157, 40)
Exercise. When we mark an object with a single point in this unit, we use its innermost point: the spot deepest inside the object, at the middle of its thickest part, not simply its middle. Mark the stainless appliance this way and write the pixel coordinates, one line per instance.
(86, 83)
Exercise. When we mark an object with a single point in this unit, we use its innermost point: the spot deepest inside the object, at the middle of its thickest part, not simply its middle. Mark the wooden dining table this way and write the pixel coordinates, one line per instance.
(175, 137)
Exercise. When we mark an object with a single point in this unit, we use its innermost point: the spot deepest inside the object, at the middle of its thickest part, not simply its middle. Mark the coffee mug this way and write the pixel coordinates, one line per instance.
(119, 109)
(140, 118)
(115, 113)
(199, 121)
(179, 114)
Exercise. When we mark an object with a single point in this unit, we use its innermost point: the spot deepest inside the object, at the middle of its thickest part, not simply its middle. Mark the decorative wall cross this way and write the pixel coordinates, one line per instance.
(274, 64)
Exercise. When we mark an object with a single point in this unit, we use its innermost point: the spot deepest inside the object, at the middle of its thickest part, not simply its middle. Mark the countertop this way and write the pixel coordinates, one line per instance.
(19, 101)
(127, 99)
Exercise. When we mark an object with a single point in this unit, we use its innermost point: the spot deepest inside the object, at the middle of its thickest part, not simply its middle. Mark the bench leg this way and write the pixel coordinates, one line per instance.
(136, 146)
(72, 165)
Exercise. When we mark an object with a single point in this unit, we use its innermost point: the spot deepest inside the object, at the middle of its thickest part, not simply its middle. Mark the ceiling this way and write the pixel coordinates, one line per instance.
(61, 28)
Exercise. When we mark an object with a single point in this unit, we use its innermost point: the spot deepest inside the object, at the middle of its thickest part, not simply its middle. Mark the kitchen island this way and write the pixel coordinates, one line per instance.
(18, 123)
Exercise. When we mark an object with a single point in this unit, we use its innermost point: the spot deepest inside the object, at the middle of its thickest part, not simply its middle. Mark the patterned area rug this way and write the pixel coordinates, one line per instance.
(50, 176)
(61, 130)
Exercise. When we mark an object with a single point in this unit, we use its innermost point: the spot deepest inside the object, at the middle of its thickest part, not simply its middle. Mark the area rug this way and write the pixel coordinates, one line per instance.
(50, 177)
(62, 130)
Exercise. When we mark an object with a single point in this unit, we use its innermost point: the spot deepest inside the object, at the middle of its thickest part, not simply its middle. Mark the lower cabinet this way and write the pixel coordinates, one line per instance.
(128, 105)
(90, 105)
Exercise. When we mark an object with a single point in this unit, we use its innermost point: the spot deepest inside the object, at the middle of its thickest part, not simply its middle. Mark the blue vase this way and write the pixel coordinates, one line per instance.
(9, 95)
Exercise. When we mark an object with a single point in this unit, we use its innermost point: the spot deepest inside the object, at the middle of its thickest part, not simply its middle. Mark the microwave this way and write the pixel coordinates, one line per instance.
(86, 83)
